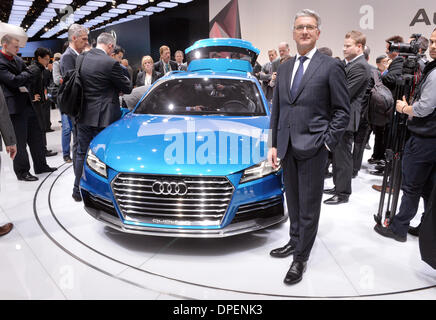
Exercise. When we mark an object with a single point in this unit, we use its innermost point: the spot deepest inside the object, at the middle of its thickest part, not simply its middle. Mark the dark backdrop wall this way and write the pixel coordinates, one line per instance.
(132, 36)
(179, 27)
(29, 49)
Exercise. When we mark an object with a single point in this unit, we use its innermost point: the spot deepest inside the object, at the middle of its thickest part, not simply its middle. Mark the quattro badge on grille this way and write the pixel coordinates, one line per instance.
(172, 188)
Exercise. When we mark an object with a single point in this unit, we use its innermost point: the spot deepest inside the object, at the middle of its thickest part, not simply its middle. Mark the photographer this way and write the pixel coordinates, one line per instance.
(419, 161)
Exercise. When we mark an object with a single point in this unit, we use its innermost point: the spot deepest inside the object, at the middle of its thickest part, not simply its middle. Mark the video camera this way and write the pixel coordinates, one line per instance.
(406, 49)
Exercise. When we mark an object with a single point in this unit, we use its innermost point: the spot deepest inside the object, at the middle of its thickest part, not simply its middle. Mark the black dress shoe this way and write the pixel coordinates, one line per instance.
(295, 273)
(27, 177)
(77, 197)
(414, 231)
(283, 252)
(379, 173)
(379, 167)
(388, 233)
(372, 161)
(50, 153)
(330, 191)
(337, 199)
(46, 169)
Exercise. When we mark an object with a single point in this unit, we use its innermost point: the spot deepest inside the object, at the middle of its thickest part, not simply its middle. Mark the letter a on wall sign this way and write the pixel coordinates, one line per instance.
(421, 16)
(367, 20)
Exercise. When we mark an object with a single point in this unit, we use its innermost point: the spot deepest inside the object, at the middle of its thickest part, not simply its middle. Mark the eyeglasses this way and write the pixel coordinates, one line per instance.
(309, 27)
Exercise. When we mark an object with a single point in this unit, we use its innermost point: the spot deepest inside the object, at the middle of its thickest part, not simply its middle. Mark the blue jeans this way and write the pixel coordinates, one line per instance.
(66, 134)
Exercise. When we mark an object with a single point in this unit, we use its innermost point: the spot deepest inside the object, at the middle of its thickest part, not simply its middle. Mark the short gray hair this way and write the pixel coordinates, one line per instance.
(106, 38)
(7, 39)
(76, 30)
(309, 13)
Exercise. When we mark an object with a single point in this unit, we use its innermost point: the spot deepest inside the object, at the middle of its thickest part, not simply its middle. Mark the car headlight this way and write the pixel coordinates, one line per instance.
(95, 164)
(258, 171)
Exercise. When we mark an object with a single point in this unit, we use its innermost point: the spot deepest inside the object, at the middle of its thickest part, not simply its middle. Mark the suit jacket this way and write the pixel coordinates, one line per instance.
(358, 75)
(317, 115)
(159, 66)
(68, 61)
(141, 78)
(265, 78)
(38, 82)
(102, 79)
(6, 128)
(13, 75)
(394, 71)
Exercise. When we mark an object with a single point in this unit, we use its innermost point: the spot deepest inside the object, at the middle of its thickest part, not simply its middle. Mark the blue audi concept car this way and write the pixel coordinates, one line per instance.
(190, 160)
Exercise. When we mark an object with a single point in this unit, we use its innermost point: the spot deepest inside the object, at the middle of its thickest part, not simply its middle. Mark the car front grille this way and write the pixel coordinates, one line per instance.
(196, 201)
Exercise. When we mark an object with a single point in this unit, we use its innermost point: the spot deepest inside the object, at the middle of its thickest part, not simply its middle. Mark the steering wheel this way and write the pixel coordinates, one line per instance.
(234, 106)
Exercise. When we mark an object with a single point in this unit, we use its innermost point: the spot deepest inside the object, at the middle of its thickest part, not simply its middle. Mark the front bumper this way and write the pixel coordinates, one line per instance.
(255, 205)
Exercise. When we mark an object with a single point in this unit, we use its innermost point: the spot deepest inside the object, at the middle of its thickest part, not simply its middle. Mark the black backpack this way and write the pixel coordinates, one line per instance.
(381, 102)
(70, 93)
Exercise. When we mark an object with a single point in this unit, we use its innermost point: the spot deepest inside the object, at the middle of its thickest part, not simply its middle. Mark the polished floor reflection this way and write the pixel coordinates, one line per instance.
(57, 251)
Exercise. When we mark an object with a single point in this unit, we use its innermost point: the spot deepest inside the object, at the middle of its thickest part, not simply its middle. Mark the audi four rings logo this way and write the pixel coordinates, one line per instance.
(170, 188)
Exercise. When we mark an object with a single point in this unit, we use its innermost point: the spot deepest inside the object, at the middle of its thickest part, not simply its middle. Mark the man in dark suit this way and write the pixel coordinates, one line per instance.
(358, 74)
(165, 65)
(181, 66)
(15, 79)
(37, 92)
(310, 112)
(102, 79)
(78, 40)
(7, 131)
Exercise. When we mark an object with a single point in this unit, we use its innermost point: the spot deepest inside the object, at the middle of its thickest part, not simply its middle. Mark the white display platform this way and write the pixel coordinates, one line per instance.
(58, 251)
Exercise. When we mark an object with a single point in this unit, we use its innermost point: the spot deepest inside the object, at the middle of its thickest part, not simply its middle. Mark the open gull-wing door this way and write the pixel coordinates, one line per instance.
(222, 55)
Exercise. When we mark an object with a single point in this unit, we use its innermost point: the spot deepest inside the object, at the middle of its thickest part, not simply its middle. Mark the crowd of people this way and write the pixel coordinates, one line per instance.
(322, 113)
(29, 91)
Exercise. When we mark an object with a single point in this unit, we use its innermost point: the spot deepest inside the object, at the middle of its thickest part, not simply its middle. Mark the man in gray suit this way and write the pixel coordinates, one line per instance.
(310, 112)
(358, 74)
(7, 131)
(266, 74)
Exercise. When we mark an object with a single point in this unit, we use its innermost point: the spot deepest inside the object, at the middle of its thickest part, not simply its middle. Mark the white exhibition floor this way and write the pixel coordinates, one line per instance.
(58, 251)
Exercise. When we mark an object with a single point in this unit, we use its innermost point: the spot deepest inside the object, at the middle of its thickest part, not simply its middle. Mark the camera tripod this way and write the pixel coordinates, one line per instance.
(395, 147)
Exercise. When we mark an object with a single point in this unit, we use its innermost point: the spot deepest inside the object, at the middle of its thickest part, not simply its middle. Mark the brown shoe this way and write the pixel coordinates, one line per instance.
(379, 188)
(4, 230)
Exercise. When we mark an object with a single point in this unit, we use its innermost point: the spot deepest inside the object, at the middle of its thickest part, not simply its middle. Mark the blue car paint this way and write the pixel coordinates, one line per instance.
(134, 144)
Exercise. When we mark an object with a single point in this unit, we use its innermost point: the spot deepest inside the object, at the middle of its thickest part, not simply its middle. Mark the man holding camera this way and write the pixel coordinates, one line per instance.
(419, 160)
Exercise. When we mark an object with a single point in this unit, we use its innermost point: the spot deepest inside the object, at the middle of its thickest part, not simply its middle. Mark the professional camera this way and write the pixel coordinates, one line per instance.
(406, 49)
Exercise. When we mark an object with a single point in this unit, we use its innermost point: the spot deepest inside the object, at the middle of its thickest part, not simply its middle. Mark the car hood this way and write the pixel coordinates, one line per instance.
(183, 145)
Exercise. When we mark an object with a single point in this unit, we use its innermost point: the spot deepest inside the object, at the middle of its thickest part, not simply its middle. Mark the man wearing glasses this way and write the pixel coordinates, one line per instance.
(310, 111)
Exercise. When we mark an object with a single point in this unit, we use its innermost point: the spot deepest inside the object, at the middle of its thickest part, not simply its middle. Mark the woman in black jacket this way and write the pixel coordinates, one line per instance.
(148, 76)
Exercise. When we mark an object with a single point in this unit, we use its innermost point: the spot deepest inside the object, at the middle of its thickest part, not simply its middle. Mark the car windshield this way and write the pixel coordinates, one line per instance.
(203, 96)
